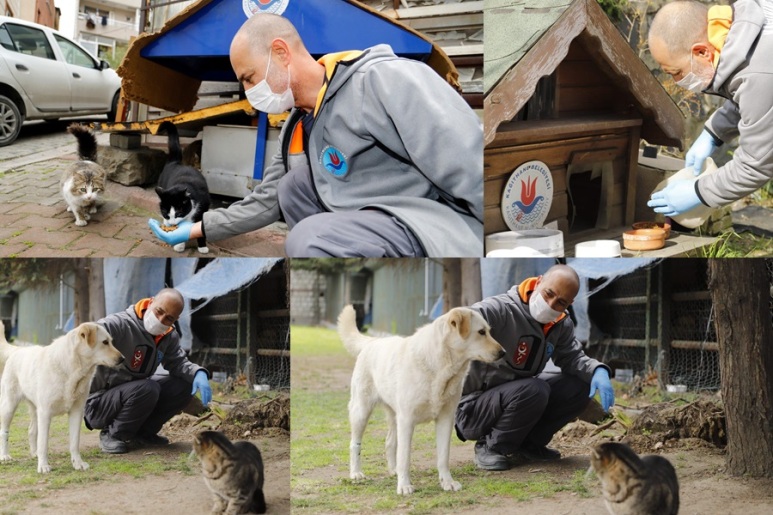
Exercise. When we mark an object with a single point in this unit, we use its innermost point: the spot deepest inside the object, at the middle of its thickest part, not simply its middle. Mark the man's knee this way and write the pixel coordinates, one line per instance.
(531, 391)
(146, 391)
(304, 238)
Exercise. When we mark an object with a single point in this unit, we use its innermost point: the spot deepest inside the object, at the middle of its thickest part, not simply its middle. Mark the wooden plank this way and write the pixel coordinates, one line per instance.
(593, 156)
(518, 84)
(632, 169)
(554, 154)
(585, 99)
(579, 73)
(519, 133)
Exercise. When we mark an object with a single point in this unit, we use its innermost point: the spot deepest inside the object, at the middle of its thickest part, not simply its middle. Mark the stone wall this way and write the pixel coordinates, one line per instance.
(307, 297)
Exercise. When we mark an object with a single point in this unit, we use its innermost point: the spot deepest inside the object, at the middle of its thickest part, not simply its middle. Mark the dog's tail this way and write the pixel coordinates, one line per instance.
(175, 153)
(351, 337)
(87, 143)
(5, 348)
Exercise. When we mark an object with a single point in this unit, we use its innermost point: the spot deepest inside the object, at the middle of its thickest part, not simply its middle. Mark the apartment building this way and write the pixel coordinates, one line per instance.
(100, 26)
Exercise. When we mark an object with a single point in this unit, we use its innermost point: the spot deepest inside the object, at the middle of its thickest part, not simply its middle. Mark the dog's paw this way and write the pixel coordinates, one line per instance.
(356, 476)
(392, 472)
(80, 465)
(179, 247)
(5, 457)
(450, 485)
(204, 250)
(44, 468)
(80, 223)
(404, 489)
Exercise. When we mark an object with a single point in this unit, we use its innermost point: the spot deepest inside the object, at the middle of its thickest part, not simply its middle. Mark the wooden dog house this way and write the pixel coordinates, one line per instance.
(564, 87)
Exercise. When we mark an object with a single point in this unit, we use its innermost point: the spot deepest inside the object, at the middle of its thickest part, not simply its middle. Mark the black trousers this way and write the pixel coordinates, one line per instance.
(138, 407)
(525, 410)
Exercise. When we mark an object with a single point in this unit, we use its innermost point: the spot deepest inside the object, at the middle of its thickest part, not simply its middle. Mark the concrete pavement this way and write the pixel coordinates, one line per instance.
(34, 221)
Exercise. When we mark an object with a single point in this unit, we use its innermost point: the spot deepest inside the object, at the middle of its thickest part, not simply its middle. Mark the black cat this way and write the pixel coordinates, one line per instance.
(182, 189)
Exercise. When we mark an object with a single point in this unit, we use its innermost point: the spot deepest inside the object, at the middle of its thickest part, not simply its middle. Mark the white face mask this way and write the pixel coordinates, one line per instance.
(152, 324)
(540, 310)
(263, 99)
(695, 82)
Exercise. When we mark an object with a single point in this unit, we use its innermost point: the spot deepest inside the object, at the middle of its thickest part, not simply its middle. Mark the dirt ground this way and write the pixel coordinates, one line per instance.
(704, 488)
(171, 491)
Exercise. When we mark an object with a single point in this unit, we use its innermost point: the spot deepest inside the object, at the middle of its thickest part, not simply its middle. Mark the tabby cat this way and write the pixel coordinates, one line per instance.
(84, 181)
(182, 190)
(632, 485)
(233, 472)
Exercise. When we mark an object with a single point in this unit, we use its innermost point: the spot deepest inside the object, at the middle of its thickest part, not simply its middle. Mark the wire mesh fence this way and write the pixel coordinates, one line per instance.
(658, 322)
(244, 336)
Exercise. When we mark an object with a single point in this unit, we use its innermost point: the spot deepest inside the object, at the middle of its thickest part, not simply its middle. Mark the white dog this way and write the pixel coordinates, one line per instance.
(418, 379)
(54, 380)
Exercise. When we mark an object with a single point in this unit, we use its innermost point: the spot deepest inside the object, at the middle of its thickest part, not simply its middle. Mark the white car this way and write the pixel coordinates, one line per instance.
(46, 76)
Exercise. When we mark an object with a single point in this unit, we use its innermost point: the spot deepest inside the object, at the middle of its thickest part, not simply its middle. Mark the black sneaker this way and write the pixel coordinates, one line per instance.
(152, 440)
(532, 452)
(111, 445)
(488, 459)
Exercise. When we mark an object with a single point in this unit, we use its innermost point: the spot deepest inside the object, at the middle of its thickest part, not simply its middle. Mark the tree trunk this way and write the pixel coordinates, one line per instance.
(740, 292)
(81, 290)
(471, 288)
(96, 290)
(452, 283)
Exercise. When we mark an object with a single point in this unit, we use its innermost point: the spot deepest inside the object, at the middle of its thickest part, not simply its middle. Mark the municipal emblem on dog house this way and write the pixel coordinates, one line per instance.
(527, 196)
(264, 6)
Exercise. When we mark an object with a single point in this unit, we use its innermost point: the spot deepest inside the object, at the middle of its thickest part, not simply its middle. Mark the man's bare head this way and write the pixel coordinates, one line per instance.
(679, 31)
(167, 305)
(265, 37)
(559, 286)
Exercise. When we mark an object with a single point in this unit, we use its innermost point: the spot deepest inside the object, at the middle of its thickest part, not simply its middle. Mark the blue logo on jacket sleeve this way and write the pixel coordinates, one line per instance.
(159, 357)
(549, 349)
(334, 161)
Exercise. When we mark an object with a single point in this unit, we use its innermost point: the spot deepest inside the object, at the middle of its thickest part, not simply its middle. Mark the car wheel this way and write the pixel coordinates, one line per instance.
(10, 121)
(113, 107)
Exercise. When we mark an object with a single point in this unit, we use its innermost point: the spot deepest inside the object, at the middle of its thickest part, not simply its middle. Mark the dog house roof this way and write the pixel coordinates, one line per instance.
(515, 60)
(165, 68)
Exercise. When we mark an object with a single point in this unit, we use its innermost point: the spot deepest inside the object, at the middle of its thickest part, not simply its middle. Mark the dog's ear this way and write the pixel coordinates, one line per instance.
(460, 320)
(88, 333)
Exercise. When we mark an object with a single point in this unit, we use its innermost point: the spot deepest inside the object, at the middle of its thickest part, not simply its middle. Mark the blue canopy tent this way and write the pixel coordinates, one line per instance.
(165, 69)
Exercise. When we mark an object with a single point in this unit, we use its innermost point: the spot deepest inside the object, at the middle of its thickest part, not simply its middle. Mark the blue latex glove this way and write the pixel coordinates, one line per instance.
(201, 383)
(179, 235)
(600, 382)
(676, 198)
(703, 147)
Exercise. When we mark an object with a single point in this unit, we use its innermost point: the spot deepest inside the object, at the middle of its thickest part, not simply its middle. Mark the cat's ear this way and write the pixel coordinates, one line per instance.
(159, 190)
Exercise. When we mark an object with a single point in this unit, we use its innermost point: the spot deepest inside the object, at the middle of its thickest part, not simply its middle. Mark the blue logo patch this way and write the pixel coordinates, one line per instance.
(159, 357)
(334, 161)
(251, 7)
(550, 349)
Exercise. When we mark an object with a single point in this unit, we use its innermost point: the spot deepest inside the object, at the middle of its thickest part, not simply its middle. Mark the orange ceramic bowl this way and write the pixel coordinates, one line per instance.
(644, 239)
(653, 225)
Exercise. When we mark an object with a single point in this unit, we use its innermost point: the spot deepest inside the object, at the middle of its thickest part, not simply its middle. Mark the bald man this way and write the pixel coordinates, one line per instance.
(510, 407)
(131, 403)
(724, 51)
(379, 157)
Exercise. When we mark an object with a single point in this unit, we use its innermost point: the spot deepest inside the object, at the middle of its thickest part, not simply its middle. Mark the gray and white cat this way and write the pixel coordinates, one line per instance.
(84, 181)
(632, 485)
(233, 471)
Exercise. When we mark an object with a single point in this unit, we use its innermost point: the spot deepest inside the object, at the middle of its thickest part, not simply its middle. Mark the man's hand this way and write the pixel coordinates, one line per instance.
(601, 382)
(676, 198)
(201, 383)
(703, 147)
(179, 235)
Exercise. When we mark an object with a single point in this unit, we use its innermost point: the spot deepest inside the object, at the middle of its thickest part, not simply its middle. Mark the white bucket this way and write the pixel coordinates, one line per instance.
(548, 242)
(597, 249)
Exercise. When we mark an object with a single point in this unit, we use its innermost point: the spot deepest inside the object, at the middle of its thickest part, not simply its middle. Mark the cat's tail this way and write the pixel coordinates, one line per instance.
(259, 501)
(175, 153)
(87, 143)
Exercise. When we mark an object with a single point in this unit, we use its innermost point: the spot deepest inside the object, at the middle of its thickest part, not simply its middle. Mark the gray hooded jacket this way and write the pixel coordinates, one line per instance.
(412, 147)
(744, 76)
(528, 344)
(141, 352)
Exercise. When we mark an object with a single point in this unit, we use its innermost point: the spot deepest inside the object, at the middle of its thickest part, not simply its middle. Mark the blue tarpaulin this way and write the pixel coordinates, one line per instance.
(128, 280)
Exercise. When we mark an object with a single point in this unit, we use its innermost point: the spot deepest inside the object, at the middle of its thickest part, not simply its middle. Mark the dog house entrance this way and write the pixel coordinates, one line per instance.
(589, 188)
